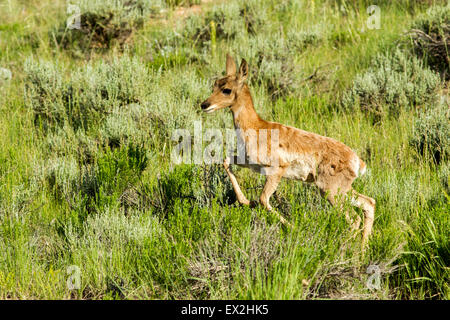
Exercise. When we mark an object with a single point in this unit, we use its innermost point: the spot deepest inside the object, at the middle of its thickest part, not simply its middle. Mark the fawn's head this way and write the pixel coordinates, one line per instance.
(227, 90)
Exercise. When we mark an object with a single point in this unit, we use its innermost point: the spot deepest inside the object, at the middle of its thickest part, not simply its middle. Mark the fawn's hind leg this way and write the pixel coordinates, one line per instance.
(237, 189)
(335, 185)
(332, 197)
(367, 205)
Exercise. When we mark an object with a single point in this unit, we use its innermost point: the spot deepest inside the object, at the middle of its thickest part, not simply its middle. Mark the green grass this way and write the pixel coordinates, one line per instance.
(86, 177)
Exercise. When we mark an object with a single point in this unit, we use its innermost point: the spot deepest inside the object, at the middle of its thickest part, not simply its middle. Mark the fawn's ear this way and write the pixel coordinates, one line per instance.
(231, 66)
(243, 72)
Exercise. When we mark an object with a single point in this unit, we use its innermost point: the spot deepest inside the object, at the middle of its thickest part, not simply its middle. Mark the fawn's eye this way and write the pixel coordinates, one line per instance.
(226, 91)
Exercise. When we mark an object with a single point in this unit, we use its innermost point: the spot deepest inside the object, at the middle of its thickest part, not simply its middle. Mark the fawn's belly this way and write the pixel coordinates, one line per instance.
(302, 167)
(261, 169)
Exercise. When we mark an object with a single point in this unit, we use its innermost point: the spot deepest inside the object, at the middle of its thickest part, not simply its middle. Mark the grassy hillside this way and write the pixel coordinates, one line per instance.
(93, 207)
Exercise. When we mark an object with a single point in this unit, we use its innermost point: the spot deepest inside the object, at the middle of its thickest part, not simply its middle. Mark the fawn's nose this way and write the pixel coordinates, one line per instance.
(205, 105)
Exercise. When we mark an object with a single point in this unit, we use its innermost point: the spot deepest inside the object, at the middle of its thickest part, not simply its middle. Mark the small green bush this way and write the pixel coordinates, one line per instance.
(45, 90)
(62, 174)
(18, 201)
(185, 3)
(194, 36)
(88, 96)
(101, 87)
(393, 82)
(5, 75)
(106, 182)
(248, 257)
(272, 58)
(301, 39)
(231, 20)
(116, 171)
(270, 51)
(86, 147)
(103, 91)
(431, 36)
(111, 228)
(106, 237)
(431, 135)
(198, 185)
(64, 141)
(273, 67)
(444, 176)
(424, 263)
(122, 125)
(103, 22)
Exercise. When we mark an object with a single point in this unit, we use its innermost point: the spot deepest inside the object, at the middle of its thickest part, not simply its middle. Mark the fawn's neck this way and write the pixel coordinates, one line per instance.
(244, 114)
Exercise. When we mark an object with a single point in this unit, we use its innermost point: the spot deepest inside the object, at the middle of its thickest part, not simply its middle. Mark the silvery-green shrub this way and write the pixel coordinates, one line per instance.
(88, 95)
(99, 23)
(118, 127)
(431, 34)
(62, 173)
(45, 90)
(394, 81)
(436, 19)
(431, 134)
(227, 19)
(272, 55)
(444, 176)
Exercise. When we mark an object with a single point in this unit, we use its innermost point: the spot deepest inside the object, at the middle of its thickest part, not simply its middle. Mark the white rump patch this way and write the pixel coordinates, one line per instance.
(355, 165)
(363, 171)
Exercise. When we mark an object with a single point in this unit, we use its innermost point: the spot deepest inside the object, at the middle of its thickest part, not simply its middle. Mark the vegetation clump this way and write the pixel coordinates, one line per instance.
(392, 83)
(444, 176)
(99, 24)
(273, 59)
(85, 98)
(431, 36)
(226, 261)
(426, 257)
(231, 20)
(207, 184)
(270, 51)
(431, 137)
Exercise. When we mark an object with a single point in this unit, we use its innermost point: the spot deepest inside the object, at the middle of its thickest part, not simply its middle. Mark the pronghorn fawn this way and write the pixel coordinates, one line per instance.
(295, 154)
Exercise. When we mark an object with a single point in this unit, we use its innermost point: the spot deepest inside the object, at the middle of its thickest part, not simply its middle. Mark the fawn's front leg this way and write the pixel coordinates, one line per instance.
(240, 196)
(271, 185)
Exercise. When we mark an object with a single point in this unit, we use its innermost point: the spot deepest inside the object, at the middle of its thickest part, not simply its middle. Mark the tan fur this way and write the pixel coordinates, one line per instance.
(329, 164)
